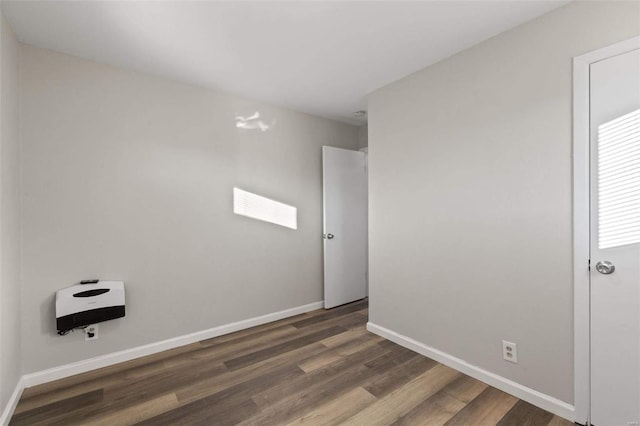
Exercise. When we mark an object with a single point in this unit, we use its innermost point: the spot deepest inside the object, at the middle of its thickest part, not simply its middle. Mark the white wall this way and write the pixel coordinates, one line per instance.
(128, 176)
(470, 196)
(10, 262)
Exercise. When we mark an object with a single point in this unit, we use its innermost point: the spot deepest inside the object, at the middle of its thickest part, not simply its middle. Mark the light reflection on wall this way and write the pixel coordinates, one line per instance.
(265, 209)
(619, 181)
(252, 122)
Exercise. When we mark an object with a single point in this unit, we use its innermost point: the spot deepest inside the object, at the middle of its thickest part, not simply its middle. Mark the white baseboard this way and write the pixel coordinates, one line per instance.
(532, 396)
(83, 366)
(12, 403)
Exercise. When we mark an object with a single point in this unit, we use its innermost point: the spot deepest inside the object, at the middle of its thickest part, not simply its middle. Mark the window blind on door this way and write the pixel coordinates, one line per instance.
(619, 181)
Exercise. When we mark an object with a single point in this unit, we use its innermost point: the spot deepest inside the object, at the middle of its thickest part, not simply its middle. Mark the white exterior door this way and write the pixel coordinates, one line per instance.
(345, 226)
(615, 240)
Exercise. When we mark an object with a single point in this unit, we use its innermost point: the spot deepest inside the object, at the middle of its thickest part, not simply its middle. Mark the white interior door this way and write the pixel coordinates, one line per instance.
(615, 240)
(345, 226)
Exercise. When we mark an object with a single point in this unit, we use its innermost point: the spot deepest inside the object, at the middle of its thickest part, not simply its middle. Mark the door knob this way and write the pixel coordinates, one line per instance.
(605, 267)
(329, 236)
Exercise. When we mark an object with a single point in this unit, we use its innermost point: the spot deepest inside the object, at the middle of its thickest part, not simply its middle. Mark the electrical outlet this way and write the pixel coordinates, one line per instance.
(510, 351)
(91, 332)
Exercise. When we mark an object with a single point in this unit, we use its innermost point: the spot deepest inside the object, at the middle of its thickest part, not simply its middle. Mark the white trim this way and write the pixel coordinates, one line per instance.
(581, 230)
(12, 403)
(581, 286)
(83, 366)
(532, 396)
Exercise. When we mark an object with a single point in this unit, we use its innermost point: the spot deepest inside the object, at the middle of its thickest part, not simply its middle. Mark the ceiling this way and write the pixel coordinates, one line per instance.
(320, 57)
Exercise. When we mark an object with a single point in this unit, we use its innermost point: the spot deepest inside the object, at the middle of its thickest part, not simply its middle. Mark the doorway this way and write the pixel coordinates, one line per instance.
(345, 225)
(607, 235)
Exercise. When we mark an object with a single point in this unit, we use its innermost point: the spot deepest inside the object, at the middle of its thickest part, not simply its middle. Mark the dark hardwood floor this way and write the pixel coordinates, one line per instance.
(320, 368)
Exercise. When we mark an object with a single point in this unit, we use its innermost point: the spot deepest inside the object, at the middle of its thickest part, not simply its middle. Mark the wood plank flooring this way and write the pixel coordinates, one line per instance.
(318, 368)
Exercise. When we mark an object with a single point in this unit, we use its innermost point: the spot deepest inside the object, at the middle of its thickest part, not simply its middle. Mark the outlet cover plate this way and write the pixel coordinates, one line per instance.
(510, 351)
(91, 332)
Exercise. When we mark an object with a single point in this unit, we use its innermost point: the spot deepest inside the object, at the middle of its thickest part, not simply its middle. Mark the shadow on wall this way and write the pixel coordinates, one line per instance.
(48, 315)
